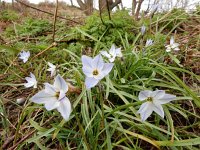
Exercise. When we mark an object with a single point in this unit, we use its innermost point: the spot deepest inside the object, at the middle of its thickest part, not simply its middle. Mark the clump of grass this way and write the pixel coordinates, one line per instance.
(8, 15)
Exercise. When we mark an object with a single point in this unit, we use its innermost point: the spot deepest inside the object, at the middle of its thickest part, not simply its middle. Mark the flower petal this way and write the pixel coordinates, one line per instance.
(112, 51)
(112, 59)
(42, 97)
(88, 71)
(24, 59)
(98, 62)
(107, 68)
(168, 49)
(52, 104)
(118, 52)
(176, 49)
(51, 65)
(145, 110)
(174, 45)
(65, 108)
(165, 99)
(143, 29)
(159, 110)
(143, 95)
(32, 76)
(143, 107)
(50, 89)
(171, 40)
(90, 82)
(105, 53)
(61, 95)
(29, 84)
(60, 84)
(99, 76)
(52, 69)
(87, 61)
(158, 94)
(29, 79)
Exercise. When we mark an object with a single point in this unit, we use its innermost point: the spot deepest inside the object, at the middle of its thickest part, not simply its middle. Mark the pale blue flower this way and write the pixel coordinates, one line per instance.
(24, 56)
(155, 7)
(143, 29)
(95, 69)
(154, 101)
(53, 97)
(172, 45)
(31, 81)
(52, 69)
(113, 52)
(149, 42)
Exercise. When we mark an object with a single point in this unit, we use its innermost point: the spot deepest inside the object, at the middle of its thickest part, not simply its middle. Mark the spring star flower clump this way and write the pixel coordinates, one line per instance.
(154, 101)
(95, 69)
(53, 97)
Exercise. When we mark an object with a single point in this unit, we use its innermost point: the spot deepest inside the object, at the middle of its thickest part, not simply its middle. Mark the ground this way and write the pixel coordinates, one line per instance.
(93, 125)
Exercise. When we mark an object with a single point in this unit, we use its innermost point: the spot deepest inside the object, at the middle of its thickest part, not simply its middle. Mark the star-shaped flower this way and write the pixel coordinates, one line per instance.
(95, 69)
(53, 97)
(149, 42)
(24, 56)
(52, 69)
(172, 45)
(31, 81)
(154, 101)
(113, 52)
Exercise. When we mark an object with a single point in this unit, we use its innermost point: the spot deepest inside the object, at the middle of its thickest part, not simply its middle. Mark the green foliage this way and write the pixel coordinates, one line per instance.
(109, 31)
(172, 19)
(197, 11)
(8, 15)
(30, 27)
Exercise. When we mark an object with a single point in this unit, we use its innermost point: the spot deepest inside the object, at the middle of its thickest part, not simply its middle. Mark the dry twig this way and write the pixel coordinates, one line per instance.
(54, 22)
(27, 5)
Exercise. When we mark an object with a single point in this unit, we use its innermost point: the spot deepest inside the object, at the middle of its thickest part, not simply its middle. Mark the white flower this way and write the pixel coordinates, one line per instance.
(154, 101)
(149, 42)
(155, 7)
(31, 81)
(24, 56)
(172, 46)
(95, 69)
(143, 29)
(113, 52)
(52, 69)
(53, 97)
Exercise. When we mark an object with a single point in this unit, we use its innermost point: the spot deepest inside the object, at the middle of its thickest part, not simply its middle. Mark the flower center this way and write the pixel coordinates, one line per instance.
(150, 99)
(57, 95)
(95, 72)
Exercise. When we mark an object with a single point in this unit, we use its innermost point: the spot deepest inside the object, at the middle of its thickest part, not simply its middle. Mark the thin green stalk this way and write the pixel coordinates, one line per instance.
(101, 103)
(82, 131)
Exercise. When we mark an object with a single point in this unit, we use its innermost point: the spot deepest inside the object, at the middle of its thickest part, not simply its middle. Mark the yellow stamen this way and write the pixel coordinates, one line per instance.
(150, 99)
(95, 72)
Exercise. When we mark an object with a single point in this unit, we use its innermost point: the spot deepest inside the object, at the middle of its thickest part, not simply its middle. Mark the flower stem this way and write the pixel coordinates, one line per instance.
(101, 103)
(82, 132)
